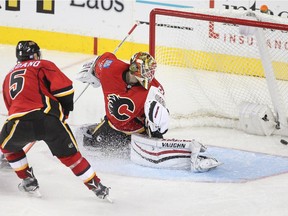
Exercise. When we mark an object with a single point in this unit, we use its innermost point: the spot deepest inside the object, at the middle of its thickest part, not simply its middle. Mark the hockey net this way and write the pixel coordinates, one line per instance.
(209, 69)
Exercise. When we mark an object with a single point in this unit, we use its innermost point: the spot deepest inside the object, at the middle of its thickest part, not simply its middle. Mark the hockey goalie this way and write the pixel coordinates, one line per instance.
(136, 115)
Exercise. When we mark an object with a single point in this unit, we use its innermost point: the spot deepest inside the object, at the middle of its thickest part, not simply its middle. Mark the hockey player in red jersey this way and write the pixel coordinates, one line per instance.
(39, 97)
(125, 87)
(134, 104)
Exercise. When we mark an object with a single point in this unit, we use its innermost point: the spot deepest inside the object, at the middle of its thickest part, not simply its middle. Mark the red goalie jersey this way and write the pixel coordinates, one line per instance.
(124, 103)
(37, 85)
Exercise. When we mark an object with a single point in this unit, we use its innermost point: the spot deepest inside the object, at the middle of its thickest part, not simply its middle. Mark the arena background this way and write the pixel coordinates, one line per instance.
(93, 27)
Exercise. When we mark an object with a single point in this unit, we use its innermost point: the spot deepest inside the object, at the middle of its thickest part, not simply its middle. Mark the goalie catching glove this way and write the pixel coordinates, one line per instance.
(87, 75)
(156, 113)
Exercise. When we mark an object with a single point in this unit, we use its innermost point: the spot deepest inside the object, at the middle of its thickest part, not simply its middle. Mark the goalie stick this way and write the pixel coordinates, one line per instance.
(116, 49)
(27, 148)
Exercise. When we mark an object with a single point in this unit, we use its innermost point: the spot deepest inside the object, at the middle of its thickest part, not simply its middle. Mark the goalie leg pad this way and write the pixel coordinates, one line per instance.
(197, 147)
(201, 163)
(160, 153)
(170, 154)
(204, 163)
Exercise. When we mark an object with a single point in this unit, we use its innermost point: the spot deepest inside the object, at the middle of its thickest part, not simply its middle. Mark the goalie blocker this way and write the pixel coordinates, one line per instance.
(170, 154)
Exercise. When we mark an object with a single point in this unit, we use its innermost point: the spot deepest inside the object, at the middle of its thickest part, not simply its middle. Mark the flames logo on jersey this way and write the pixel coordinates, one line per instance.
(120, 107)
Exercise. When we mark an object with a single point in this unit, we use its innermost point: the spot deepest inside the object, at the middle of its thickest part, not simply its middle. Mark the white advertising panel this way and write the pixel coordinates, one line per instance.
(109, 18)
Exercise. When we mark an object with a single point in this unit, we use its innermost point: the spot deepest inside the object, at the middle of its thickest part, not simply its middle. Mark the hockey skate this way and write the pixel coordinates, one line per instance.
(101, 191)
(204, 164)
(30, 185)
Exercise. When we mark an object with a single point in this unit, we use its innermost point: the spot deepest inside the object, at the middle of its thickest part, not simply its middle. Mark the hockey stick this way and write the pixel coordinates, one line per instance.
(25, 149)
(116, 49)
(82, 92)
(28, 147)
(129, 33)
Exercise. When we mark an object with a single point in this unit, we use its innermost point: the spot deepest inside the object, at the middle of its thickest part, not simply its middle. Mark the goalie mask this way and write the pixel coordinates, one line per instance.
(25, 50)
(143, 66)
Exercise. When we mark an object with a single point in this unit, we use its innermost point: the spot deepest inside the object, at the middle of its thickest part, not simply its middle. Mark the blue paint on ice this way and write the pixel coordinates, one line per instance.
(238, 166)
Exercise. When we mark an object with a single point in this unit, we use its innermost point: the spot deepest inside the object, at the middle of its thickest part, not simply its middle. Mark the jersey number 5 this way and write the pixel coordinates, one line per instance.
(16, 83)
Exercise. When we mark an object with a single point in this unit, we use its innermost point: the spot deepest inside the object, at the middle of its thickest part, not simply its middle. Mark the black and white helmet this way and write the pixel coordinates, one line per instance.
(25, 50)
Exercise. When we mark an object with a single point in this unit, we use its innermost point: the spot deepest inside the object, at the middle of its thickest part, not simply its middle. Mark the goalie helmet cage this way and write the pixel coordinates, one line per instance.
(219, 60)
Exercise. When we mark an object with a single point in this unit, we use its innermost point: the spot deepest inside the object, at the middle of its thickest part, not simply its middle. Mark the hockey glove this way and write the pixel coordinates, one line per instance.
(87, 75)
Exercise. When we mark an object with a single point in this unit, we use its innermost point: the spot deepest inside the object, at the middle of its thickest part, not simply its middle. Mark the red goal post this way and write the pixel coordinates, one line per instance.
(215, 61)
(206, 17)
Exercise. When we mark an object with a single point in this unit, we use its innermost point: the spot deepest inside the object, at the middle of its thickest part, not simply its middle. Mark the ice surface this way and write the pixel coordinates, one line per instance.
(252, 180)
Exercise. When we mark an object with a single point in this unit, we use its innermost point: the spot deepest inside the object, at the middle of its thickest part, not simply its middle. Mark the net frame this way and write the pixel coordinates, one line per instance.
(278, 107)
(201, 16)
